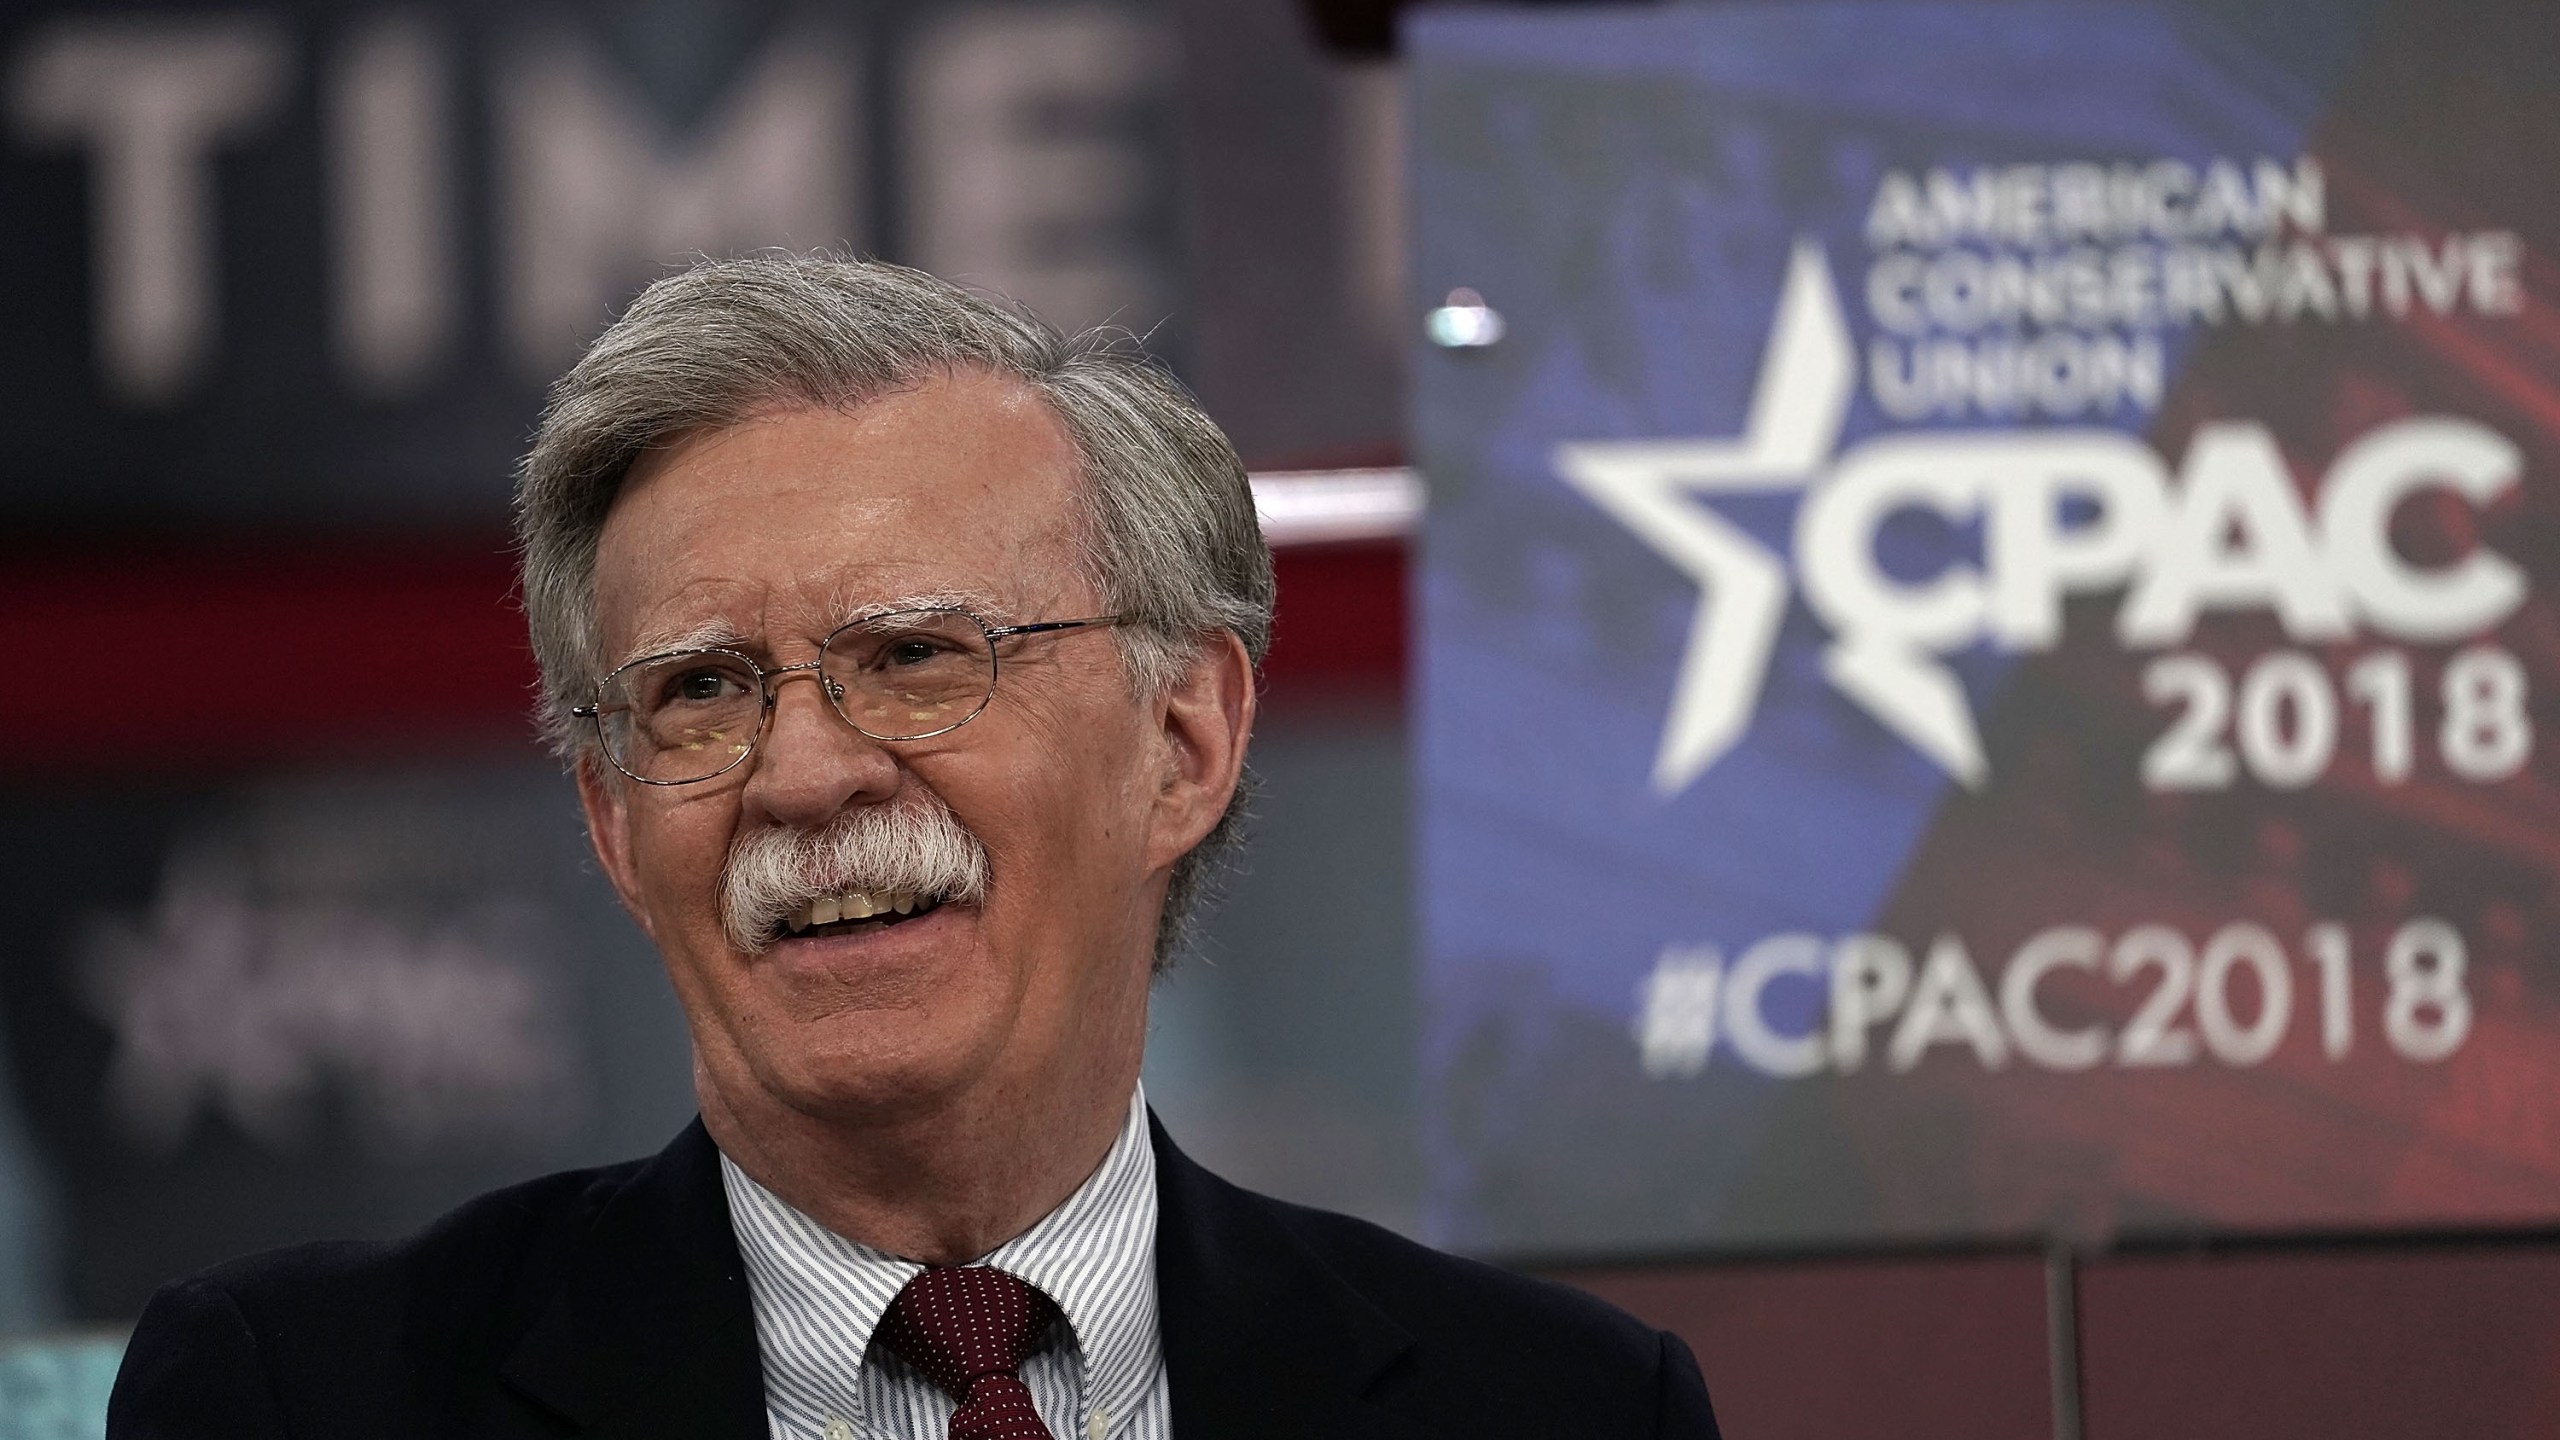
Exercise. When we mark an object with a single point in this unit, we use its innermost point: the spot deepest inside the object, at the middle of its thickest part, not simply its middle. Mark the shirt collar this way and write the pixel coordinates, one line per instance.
(1094, 1255)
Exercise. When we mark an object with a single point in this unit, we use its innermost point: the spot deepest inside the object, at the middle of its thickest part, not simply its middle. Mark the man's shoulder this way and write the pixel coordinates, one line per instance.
(1417, 1330)
(350, 1336)
(1430, 1290)
(503, 1241)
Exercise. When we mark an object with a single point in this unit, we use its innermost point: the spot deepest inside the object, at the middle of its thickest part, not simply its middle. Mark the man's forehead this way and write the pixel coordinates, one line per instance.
(969, 438)
(797, 516)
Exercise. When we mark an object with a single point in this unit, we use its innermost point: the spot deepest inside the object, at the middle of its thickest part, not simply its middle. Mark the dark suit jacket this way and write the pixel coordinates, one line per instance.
(612, 1303)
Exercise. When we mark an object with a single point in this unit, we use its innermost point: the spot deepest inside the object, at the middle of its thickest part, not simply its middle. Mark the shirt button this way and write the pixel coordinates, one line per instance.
(839, 1428)
(1097, 1424)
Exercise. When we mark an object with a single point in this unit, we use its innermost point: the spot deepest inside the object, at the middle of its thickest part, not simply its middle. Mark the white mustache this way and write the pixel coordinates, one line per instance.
(916, 848)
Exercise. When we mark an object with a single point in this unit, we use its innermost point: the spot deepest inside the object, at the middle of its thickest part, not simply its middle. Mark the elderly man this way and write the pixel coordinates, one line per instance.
(904, 653)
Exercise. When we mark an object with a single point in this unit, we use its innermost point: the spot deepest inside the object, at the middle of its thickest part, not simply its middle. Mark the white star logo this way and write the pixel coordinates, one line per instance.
(1796, 410)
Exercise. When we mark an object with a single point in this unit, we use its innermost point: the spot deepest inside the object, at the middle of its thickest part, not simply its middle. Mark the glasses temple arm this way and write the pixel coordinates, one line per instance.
(1038, 627)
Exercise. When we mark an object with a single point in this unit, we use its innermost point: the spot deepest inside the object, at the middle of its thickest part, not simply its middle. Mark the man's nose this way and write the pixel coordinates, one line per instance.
(812, 763)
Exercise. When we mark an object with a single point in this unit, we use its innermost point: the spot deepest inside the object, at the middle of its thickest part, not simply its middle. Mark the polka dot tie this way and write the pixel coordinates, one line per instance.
(968, 1328)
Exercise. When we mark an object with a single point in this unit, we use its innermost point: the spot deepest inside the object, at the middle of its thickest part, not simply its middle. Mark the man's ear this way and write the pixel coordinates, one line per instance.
(1207, 717)
(607, 804)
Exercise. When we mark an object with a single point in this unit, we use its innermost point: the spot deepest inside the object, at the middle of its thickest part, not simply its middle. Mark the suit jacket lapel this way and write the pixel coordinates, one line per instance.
(1261, 1337)
(652, 1332)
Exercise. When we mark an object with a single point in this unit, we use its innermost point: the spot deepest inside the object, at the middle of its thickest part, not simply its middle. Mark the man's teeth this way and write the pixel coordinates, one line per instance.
(854, 905)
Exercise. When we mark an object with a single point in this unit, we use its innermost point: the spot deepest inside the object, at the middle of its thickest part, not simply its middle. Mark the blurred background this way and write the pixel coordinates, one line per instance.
(304, 940)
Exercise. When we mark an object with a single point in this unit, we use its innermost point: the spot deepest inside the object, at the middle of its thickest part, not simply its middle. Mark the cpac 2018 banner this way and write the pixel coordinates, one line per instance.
(1990, 629)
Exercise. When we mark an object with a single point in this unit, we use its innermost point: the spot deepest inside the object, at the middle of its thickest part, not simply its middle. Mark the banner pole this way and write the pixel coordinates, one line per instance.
(2062, 1337)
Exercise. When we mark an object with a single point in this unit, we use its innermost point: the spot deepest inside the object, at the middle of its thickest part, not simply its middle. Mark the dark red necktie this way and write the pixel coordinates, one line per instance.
(968, 1328)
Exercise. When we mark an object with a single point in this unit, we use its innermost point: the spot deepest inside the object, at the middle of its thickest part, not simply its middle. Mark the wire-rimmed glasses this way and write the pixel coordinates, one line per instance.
(689, 715)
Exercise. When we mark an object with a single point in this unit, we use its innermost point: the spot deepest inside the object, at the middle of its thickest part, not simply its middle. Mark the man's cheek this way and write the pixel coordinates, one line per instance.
(680, 880)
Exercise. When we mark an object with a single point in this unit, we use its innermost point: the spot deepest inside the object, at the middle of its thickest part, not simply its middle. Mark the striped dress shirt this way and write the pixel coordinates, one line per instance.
(818, 1297)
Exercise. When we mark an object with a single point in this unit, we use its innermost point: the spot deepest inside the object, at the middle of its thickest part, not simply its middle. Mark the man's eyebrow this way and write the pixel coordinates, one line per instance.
(709, 634)
(721, 635)
(977, 602)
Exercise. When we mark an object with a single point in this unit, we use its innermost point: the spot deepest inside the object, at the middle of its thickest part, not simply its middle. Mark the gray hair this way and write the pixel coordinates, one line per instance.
(1171, 542)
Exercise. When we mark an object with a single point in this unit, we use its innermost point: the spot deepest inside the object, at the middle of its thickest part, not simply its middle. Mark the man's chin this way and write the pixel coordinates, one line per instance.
(877, 1068)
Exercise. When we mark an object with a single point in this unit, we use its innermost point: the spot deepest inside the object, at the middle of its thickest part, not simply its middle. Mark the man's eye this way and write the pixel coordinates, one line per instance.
(914, 650)
(697, 686)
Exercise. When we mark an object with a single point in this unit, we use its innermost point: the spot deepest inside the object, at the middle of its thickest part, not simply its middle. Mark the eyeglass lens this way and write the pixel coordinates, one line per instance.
(688, 716)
